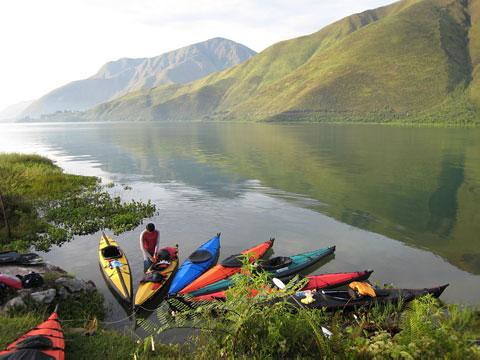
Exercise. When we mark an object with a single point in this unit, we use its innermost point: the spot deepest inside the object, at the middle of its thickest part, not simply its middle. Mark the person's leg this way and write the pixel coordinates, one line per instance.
(146, 264)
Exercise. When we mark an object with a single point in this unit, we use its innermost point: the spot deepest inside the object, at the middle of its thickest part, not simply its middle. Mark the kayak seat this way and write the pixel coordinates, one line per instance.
(35, 342)
(154, 277)
(111, 252)
(275, 263)
(200, 256)
(27, 354)
(233, 261)
(160, 265)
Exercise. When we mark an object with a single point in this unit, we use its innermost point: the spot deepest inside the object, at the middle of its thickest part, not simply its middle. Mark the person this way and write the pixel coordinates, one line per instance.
(149, 241)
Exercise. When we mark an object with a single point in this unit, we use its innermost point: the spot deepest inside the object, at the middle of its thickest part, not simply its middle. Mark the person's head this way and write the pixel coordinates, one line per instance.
(150, 227)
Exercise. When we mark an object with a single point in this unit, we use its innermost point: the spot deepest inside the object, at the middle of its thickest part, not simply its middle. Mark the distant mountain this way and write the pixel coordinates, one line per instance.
(11, 112)
(119, 77)
(412, 61)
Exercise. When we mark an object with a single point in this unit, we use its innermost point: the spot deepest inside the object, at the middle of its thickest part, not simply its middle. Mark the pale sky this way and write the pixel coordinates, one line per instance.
(48, 43)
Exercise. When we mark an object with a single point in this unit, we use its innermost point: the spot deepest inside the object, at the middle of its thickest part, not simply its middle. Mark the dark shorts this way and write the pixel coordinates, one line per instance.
(146, 265)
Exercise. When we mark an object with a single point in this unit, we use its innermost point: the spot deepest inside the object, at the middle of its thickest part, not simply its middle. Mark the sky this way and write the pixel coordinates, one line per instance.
(47, 43)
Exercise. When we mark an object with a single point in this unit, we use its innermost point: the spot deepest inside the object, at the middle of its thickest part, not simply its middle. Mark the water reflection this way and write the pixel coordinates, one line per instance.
(418, 185)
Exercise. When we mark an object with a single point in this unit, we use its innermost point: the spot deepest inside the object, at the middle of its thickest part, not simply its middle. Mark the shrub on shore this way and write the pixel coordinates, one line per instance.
(42, 206)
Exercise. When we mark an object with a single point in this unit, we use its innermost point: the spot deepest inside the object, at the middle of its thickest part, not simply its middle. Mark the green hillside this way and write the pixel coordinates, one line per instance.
(412, 61)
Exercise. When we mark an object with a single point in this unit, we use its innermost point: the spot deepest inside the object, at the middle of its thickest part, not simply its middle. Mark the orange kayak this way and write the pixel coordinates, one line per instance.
(44, 341)
(228, 267)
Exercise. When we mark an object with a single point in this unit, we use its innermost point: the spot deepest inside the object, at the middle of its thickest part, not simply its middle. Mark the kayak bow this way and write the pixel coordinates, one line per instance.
(46, 341)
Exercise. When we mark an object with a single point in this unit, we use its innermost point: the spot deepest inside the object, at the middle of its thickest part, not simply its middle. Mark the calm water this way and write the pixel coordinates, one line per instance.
(402, 201)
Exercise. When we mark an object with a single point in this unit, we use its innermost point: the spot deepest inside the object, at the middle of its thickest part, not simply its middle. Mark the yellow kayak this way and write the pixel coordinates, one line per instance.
(115, 268)
(156, 278)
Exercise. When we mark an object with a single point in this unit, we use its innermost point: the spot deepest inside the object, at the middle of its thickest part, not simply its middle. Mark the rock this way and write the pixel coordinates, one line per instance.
(90, 286)
(72, 285)
(24, 292)
(54, 268)
(15, 303)
(44, 297)
(63, 293)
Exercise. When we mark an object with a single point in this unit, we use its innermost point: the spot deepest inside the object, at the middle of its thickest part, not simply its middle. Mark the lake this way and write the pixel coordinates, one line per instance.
(404, 202)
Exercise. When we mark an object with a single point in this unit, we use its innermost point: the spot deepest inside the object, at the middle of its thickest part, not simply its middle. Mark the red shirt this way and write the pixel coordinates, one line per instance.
(149, 241)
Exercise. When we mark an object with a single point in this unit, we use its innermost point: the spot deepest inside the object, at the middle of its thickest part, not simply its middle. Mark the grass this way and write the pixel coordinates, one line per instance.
(45, 207)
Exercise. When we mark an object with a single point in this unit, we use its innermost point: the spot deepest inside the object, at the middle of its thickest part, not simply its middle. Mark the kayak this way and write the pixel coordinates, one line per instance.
(115, 268)
(11, 281)
(333, 300)
(323, 281)
(45, 341)
(157, 276)
(280, 267)
(14, 257)
(228, 267)
(197, 263)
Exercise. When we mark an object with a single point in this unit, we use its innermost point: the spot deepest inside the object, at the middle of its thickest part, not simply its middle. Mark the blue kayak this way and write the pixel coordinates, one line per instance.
(197, 263)
(280, 267)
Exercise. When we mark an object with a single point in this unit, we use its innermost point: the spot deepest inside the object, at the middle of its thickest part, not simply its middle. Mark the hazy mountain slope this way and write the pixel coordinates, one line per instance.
(410, 59)
(122, 76)
(12, 111)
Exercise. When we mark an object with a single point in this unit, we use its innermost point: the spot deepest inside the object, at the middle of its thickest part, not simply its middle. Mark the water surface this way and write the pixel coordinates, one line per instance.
(402, 201)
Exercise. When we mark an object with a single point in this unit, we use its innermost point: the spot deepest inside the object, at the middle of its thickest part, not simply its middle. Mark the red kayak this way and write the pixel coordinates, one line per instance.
(11, 281)
(228, 267)
(43, 342)
(324, 281)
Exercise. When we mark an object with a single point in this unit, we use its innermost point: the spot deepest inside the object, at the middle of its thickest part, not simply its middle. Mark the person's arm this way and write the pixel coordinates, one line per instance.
(144, 252)
(157, 247)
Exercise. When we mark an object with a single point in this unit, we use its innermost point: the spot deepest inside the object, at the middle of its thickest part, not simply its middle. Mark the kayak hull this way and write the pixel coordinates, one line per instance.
(323, 281)
(49, 329)
(332, 300)
(189, 271)
(299, 263)
(11, 281)
(116, 271)
(220, 272)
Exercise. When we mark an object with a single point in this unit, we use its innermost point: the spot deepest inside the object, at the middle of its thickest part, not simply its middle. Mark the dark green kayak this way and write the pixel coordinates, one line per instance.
(280, 267)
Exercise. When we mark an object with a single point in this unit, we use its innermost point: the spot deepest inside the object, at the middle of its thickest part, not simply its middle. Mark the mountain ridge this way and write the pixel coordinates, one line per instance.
(408, 61)
(116, 78)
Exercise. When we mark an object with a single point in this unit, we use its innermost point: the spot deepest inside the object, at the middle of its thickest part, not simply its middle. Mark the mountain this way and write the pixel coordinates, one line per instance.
(124, 75)
(413, 60)
(13, 111)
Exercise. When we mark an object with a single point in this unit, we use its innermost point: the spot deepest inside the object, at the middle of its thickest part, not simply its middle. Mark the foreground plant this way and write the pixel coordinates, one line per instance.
(244, 326)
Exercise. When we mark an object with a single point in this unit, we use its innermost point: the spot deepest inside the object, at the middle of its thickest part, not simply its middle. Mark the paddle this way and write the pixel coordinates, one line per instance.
(279, 283)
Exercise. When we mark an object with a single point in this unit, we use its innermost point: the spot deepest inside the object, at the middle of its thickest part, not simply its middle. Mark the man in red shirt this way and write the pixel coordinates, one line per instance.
(149, 241)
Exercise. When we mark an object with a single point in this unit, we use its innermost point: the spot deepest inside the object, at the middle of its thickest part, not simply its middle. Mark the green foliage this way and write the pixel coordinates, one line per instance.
(46, 207)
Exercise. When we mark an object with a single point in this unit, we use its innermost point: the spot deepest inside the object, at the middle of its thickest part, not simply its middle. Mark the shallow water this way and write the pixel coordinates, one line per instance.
(402, 201)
